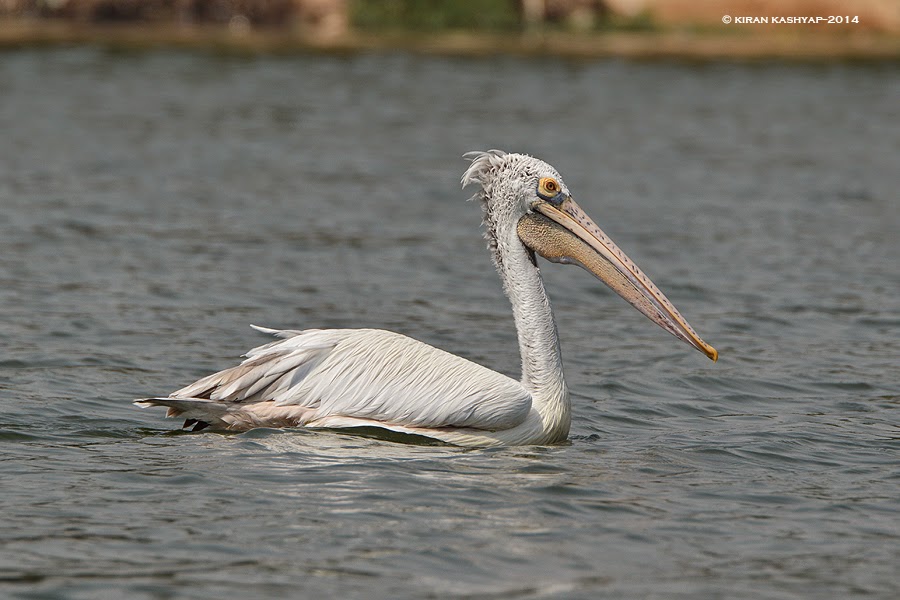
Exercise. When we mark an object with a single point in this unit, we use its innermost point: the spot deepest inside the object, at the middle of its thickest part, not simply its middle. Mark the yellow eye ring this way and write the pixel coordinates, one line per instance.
(548, 188)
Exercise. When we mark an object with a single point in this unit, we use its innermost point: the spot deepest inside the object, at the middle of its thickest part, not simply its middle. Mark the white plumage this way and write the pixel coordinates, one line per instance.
(348, 378)
(353, 378)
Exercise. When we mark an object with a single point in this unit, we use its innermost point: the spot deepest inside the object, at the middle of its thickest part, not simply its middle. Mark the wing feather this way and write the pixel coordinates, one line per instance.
(367, 374)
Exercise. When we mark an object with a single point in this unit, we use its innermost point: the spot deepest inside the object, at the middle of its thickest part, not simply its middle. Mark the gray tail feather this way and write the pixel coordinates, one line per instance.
(198, 412)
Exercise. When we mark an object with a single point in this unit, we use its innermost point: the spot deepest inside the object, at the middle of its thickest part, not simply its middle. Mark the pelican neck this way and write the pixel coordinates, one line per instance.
(542, 368)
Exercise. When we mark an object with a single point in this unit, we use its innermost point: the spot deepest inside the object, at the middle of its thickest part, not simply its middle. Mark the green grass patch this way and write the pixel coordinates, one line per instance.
(419, 15)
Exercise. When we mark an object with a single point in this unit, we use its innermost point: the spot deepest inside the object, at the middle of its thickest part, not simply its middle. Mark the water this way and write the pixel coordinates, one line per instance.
(153, 205)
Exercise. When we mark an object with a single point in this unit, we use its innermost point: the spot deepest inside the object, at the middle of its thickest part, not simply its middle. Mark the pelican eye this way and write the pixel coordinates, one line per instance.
(548, 188)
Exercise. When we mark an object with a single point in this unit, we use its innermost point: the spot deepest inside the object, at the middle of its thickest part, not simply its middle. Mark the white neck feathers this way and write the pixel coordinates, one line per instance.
(542, 369)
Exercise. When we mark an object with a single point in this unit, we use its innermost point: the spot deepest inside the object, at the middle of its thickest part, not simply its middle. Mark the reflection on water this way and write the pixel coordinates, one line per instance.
(153, 205)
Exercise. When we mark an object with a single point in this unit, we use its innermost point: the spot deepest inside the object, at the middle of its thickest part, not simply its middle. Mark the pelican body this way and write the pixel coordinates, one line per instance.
(352, 378)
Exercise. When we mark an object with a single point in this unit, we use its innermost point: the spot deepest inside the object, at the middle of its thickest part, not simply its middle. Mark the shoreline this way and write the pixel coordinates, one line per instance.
(713, 45)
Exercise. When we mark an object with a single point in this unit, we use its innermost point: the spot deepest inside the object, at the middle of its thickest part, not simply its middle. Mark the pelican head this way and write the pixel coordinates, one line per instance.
(526, 202)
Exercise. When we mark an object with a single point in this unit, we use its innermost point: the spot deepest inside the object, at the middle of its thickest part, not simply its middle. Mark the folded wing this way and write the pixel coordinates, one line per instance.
(336, 377)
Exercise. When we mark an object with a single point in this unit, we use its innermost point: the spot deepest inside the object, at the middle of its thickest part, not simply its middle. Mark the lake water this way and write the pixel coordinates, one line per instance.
(153, 205)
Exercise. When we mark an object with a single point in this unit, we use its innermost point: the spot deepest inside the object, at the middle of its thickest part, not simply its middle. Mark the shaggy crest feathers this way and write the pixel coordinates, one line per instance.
(482, 172)
(503, 176)
(505, 179)
(484, 166)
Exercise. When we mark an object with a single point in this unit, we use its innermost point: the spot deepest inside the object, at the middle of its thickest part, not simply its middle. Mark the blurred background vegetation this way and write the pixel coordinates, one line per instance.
(349, 21)
(435, 14)
(450, 14)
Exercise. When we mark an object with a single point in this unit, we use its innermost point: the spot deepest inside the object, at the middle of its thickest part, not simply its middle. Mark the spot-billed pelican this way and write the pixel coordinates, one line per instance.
(350, 378)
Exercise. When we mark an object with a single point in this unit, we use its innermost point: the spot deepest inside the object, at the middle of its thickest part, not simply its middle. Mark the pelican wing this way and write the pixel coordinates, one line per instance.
(353, 376)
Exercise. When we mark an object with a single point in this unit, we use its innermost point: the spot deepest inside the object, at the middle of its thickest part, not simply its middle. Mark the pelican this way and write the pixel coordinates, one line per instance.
(365, 378)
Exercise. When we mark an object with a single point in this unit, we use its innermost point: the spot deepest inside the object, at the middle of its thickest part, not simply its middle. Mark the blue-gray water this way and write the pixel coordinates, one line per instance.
(153, 205)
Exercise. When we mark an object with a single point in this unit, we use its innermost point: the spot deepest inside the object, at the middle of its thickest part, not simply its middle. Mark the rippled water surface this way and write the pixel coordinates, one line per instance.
(153, 205)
